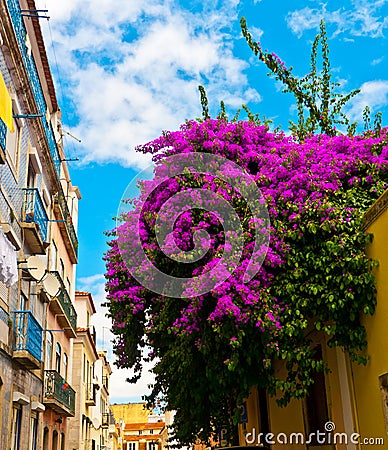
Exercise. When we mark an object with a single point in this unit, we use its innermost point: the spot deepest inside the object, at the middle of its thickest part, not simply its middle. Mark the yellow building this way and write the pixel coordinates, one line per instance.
(131, 412)
(349, 405)
(140, 428)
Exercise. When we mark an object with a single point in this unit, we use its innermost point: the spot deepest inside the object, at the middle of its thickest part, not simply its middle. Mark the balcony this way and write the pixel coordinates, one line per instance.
(108, 419)
(105, 382)
(27, 342)
(65, 223)
(34, 221)
(58, 394)
(90, 395)
(3, 134)
(33, 77)
(62, 306)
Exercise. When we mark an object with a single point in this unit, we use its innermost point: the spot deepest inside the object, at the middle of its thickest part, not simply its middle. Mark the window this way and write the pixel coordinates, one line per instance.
(87, 372)
(49, 349)
(131, 446)
(62, 269)
(63, 447)
(58, 352)
(16, 428)
(12, 145)
(55, 440)
(152, 446)
(68, 285)
(65, 365)
(33, 432)
(316, 401)
(23, 302)
(31, 176)
(54, 253)
(263, 409)
(45, 438)
(151, 431)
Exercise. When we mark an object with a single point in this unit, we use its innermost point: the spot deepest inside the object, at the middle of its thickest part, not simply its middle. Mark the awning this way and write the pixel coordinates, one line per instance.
(5, 105)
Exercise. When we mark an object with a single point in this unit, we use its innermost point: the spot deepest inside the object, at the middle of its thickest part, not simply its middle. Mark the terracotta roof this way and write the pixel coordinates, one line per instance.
(147, 437)
(145, 426)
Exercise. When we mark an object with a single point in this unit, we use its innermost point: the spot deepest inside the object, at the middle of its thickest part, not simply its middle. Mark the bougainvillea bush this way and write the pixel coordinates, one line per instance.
(209, 349)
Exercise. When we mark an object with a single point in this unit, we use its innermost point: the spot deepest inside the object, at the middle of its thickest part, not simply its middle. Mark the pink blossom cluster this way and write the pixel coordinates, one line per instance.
(303, 185)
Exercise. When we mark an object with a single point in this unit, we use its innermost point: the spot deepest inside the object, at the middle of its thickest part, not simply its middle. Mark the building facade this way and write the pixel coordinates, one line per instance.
(38, 240)
(140, 429)
(93, 425)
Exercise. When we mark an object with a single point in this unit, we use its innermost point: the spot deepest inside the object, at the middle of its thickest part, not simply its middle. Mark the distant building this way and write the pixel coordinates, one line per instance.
(93, 426)
(84, 382)
(131, 412)
(140, 429)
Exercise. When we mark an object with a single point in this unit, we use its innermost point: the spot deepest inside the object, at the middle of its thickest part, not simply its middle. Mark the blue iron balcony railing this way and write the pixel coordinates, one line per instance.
(32, 72)
(66, 304)
(3, 135)
(58, 393)
(27, 334)
(34, 211)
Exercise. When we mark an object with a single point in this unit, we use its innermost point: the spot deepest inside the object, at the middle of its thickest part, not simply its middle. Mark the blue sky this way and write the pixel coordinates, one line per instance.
(126, 70)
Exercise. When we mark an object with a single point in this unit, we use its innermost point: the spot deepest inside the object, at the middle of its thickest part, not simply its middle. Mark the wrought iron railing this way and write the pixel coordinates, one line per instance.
(105, 382)
(108, 419)
(21, 33)
(34, 211)
(27, 334)
(90, 394)
(32, 72)
(3, 135)
(61, 199)
(56, 387)
(64, 299)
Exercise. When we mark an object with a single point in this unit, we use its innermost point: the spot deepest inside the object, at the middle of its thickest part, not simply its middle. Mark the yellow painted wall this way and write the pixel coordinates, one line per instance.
(131, 412)
(368, 399)
(285, 422)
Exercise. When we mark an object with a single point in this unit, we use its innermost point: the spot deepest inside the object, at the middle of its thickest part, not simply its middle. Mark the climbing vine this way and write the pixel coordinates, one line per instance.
(210, 348)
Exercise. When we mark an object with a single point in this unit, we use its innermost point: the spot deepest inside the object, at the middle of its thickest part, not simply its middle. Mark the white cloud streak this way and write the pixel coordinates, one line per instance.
(363, 19)
(133, 70)
(373, 94)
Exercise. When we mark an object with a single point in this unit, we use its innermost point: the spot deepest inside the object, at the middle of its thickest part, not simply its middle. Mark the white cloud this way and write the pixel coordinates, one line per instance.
(373, 94)
(123, 392)
(363, 19)
(377, 61)
(133, 70)
(120, 389)
(256, 32)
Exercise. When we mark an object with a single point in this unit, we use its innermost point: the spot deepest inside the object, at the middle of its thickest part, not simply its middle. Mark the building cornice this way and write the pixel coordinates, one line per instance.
(378, 207)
